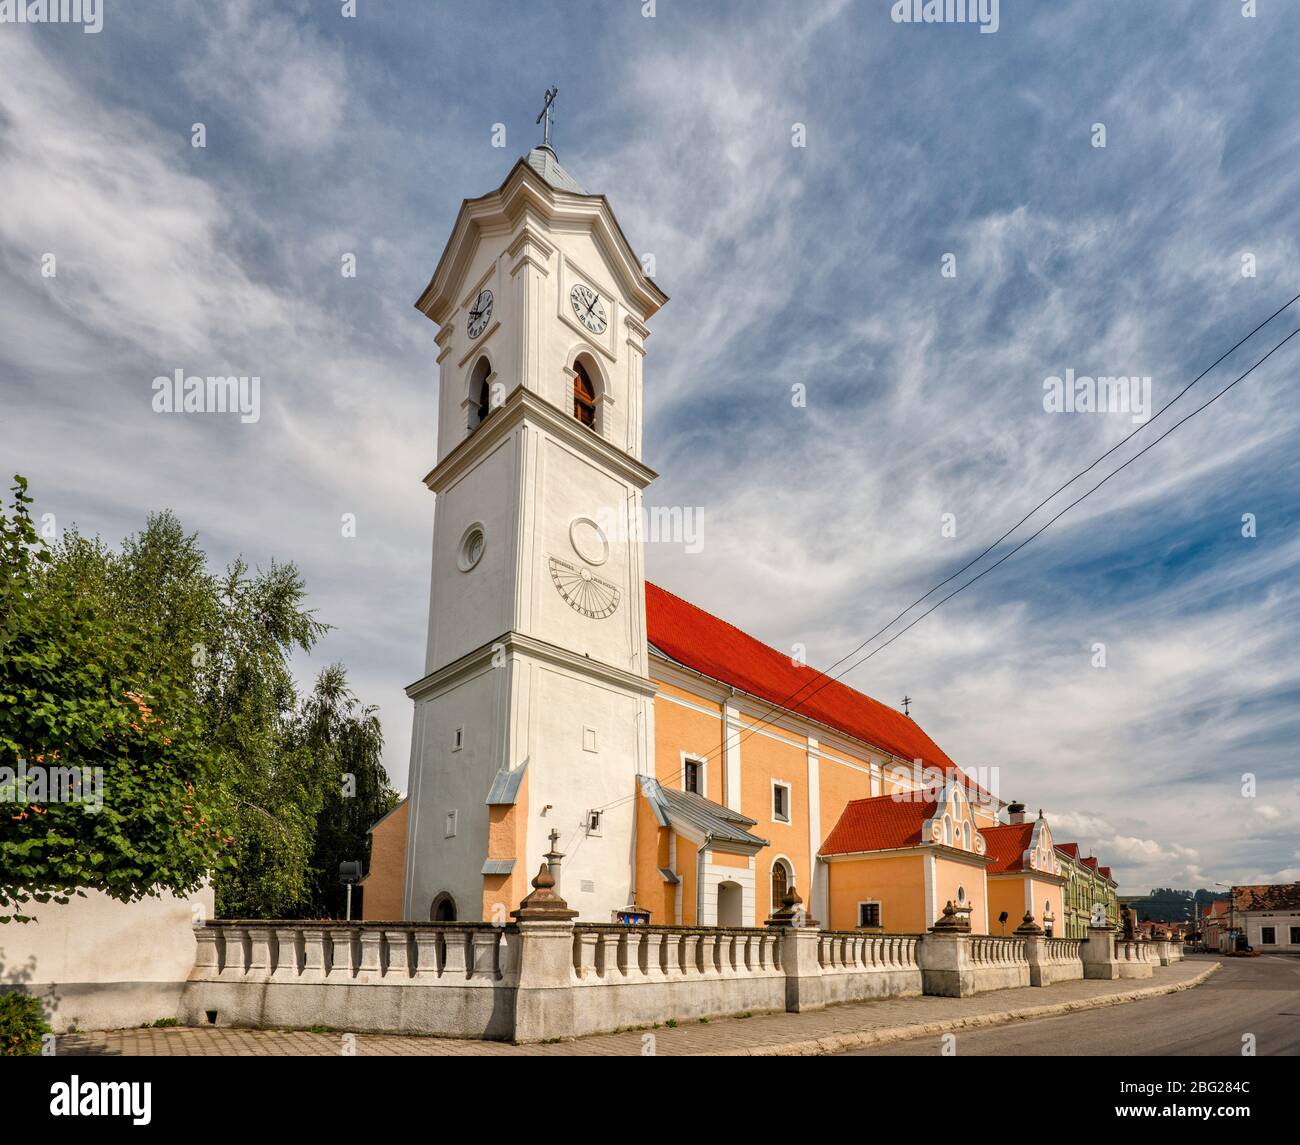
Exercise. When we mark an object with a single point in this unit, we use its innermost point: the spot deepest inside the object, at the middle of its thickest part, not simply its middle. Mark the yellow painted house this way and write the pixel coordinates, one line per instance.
(893, 862)
(1025, 874)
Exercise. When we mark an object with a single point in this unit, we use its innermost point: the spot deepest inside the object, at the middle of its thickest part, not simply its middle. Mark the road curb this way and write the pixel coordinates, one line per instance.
(837, 1043)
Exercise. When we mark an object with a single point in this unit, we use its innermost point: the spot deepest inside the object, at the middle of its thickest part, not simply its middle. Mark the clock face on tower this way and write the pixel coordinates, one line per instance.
(583, 591)
(589, 308)
(479, 313)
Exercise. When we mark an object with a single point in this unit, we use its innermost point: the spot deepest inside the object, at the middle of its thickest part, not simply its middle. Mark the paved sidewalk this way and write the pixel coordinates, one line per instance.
(820, 1032)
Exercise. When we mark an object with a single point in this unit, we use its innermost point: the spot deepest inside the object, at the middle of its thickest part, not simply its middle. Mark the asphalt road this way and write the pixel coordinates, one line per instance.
(1259, 996)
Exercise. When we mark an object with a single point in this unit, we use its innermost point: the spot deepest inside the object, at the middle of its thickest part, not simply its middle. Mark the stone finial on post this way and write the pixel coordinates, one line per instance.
(1028, 927)
(543, 904)
(1098, 952)
(944, 956)
(544, 996)
(791, 912)
(1036, 955)
(951, 922)
(800, 940)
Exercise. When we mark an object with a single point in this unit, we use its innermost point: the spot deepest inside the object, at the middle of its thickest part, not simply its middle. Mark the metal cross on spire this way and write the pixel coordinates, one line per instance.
(907, 705)
(545, 117)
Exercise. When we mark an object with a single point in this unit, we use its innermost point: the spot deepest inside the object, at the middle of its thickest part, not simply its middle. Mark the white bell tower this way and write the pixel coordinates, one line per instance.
(535, 709)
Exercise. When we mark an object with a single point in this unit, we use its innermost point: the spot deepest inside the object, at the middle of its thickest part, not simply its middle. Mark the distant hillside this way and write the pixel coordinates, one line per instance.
(1167, 904)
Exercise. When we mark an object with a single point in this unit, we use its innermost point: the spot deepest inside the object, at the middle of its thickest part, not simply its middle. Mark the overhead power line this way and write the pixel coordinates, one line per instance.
(824, 675)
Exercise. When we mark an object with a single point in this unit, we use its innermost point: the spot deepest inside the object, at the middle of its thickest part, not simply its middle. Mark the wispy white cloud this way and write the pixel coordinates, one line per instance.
(817, 265)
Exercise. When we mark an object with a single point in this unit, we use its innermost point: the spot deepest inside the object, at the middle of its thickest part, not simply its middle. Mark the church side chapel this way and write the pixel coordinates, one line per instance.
(573, 712)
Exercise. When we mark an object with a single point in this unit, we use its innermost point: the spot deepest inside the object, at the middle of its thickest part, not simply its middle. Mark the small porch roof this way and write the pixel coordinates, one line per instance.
(700, 816)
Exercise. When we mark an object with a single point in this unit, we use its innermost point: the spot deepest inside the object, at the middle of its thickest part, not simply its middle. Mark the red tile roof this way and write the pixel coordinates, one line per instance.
(878, 824)
(1267, 896)
(1071, 849)
(1007, 845)
(723, 652)
(1104, 872)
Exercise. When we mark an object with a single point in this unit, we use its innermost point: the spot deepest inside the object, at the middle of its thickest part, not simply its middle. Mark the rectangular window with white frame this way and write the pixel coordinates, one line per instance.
(693, 777)
(780, 801)
(869, 915)
(1295, 936)
(1268, 936)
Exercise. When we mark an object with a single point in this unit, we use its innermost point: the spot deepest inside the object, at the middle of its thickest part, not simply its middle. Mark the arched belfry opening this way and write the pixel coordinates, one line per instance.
(480, 392)
(443, 908)
(584, 394)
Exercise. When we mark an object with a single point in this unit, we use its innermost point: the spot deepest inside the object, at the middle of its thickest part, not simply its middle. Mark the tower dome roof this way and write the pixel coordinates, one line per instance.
(543, 160)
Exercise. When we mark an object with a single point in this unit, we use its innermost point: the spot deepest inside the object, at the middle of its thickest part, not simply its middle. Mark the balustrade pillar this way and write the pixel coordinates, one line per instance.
(286, 939)
(428, 958)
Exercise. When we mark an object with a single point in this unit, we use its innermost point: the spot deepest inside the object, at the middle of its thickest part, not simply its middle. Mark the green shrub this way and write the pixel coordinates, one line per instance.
(22, 1024)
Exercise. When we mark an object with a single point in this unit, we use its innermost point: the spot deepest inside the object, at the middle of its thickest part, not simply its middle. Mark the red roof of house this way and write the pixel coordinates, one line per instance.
(1104, 872)
(878, 824)
(1267, 896)
(722, 651)
(1007, 845)
(1217, 909)
(1071, 849)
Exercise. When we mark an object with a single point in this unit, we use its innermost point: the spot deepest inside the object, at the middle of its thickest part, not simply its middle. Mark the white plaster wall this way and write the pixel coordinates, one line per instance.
(567, 486)
(468, 609)
(715, 873)
(97, 963)
(1282, 922)
(457, 781)
(596, 873)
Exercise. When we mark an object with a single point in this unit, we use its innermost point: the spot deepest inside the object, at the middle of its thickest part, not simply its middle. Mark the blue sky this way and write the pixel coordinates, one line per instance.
(817, 265)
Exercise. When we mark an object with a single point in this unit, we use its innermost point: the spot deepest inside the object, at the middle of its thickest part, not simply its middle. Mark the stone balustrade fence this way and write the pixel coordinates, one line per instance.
(546, 976)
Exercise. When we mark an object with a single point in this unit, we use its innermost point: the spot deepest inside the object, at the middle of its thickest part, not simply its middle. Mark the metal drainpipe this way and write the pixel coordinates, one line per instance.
(699, 879)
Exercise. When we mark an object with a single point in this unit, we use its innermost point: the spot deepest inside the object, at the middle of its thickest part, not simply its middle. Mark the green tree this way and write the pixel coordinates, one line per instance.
(225, 641)
(347, 741)
(149, 813)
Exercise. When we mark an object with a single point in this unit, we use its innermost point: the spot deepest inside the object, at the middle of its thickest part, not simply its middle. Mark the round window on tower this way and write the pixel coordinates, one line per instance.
(588, 540)
(471, 548)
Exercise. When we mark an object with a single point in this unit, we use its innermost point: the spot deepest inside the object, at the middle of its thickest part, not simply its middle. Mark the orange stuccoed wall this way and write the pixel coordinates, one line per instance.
(383, 884)
(897, 882)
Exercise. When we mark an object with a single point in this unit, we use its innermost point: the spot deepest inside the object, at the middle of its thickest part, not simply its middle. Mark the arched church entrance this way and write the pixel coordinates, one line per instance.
(731, 904)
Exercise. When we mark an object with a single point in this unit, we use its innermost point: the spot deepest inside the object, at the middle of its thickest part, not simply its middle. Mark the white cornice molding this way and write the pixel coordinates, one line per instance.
(674, 672)
(523, 406)
(472, 663)
(526, 196)
(937, 849)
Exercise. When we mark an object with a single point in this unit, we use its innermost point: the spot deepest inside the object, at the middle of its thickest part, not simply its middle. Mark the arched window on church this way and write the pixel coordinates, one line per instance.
(584, 395)
(480, 393)
(780, 882)
(443, 908)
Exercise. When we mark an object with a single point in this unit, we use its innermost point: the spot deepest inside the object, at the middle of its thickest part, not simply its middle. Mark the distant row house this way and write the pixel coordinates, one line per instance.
(1087, 884)
(1267, 915)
